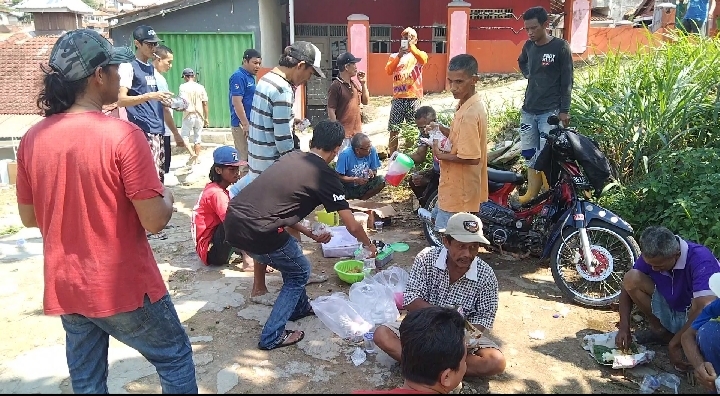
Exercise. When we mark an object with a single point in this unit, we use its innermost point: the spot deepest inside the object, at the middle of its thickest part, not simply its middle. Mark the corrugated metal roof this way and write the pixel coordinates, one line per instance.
(76, 6)
(149, 12)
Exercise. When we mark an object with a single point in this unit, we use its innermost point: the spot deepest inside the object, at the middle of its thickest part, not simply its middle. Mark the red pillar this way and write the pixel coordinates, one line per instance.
(577, 24)
(458, 29)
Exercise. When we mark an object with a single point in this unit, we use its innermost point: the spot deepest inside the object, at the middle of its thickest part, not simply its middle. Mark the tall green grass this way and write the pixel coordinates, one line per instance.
(641, 106)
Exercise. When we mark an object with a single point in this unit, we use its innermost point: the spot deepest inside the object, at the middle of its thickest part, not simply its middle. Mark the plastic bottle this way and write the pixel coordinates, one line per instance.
(368, 342)
(20, 244)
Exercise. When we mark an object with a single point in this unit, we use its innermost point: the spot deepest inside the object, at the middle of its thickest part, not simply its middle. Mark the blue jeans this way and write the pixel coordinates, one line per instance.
(153, 330)
(292, 301)
(440, 218)
(708, 339)
(530, 127)
(672, 320)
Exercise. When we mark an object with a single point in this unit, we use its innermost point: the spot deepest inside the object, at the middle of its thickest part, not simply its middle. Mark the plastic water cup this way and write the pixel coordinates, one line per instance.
(378, 226)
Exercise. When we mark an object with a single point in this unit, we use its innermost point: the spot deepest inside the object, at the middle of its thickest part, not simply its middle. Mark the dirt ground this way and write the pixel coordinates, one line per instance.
(224, 325)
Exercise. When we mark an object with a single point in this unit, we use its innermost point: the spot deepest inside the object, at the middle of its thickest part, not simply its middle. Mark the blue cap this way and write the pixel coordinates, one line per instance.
(227, 155)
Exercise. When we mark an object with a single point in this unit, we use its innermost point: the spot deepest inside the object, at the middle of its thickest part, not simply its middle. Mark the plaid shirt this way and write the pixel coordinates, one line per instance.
(476, 291)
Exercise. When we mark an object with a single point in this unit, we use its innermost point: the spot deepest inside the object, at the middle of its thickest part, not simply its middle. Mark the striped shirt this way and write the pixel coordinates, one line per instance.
(271, 121)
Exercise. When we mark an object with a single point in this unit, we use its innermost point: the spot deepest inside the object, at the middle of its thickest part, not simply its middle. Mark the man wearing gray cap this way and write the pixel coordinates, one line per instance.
(453, 276)
(87, 181)
(195, 116)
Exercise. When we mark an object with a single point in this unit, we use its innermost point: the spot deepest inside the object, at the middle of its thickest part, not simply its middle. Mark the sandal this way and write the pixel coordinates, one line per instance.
(648, 336)
(160, 235)
(285, 337)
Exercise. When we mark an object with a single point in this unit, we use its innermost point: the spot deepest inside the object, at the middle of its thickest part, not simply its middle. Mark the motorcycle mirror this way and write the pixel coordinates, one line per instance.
(553, 120)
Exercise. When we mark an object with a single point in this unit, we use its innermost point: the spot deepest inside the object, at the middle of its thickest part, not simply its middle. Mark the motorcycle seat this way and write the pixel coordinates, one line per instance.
(501, 176)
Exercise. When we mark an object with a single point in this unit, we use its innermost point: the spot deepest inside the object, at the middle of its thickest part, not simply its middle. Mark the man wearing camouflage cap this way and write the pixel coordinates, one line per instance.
(87, 181)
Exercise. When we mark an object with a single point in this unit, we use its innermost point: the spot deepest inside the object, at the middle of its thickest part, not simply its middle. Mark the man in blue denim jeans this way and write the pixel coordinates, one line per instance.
(546, 62)
(670, 284)
(279, 198)
(100, 275)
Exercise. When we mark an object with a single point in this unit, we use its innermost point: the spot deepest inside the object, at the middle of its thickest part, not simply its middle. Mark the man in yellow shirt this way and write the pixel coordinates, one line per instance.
(463, 170)
(405, 66)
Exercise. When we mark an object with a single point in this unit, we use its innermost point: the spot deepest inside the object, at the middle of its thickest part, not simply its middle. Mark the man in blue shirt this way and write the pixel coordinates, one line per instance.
(242, 90)
(140, 96)
(701, 342)
(357, 166)
(697, 14)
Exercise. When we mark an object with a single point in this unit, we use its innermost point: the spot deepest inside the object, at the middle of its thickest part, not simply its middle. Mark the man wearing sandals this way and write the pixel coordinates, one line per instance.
(279, 198)
(670, 285)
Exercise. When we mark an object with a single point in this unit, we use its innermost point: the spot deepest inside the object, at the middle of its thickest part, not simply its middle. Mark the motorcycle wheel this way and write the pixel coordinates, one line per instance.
(615, 252)
(433, 237)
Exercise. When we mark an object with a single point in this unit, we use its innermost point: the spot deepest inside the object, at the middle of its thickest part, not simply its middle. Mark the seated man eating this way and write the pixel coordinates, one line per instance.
(357, 166)
(423, 182)
(453, 276)
(670, 285)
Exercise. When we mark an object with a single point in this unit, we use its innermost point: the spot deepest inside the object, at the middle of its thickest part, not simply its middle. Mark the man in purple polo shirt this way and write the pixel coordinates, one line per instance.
(670, 285)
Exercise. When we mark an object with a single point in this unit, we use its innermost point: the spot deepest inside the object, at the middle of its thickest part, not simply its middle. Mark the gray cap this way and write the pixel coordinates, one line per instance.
(308, 53)
(188, 72)
(78, 53)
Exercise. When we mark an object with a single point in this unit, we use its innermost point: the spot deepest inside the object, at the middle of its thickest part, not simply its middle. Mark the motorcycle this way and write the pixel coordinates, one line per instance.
(590, 248)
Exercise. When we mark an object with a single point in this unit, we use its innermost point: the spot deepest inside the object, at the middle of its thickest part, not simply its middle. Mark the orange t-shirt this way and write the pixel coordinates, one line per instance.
(463, 187)
(81, 171)
(407, 73)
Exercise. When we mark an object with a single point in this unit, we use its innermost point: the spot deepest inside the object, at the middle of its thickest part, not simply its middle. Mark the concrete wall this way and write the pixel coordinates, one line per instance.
(271, 18)
(213, 16)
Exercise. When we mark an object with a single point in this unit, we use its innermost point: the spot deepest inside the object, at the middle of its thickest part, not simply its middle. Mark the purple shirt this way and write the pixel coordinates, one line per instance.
(688, 279)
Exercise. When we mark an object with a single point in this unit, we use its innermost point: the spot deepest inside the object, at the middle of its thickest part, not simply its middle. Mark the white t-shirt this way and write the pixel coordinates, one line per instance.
(163, 87)
(195, 95)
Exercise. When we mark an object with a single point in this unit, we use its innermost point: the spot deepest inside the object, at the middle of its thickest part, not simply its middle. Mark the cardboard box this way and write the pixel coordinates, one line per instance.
(12, 172)
(376, 211)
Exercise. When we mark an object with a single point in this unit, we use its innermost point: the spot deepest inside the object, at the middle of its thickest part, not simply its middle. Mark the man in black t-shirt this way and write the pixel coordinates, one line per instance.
(547, 63)
(279, 198)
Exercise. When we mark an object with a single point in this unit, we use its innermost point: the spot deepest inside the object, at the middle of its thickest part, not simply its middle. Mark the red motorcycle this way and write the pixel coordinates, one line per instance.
(590, 248)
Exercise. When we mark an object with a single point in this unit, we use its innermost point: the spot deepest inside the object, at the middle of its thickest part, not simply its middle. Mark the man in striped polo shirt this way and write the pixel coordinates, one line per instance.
(271, 125)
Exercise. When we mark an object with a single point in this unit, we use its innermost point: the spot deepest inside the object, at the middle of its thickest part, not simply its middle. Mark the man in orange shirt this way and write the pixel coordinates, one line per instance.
(463, 171)
(405, 66)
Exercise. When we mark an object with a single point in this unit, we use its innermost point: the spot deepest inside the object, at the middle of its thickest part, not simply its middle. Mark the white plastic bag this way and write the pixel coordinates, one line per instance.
(375, 301)
(394, 277)
(340, 316)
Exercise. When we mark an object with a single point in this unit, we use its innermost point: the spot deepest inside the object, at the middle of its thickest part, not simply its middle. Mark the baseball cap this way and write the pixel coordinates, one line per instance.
(78, 53)
(251, 53)
(188, 72)
(346, 59)
(309, 53)
(227, 155)
(465, 227)
(715, 283)
(145, 33)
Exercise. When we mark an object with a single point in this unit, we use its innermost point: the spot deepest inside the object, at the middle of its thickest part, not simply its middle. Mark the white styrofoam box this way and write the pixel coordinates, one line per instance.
(342, 243)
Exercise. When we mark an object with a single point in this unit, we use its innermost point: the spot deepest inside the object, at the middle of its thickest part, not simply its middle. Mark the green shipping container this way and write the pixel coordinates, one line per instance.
(214, 57)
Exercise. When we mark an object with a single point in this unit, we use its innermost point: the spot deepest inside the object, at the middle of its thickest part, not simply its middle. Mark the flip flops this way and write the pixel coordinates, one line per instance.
(285, 337)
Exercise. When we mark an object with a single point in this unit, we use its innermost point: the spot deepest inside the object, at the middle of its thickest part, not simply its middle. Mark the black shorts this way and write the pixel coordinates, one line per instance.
(402, 110)
(220, 251)
(692, 25)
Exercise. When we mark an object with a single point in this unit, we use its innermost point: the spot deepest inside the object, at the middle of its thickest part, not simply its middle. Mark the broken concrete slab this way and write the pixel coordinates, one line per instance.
(227, 379)
(201, 339)
(201, 359)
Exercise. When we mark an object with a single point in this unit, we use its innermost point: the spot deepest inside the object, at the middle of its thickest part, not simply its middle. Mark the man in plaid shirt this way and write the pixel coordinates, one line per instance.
(453, 276)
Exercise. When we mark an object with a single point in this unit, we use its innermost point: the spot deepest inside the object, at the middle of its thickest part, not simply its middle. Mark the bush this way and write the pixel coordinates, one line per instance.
(640, 107)
(679, 193)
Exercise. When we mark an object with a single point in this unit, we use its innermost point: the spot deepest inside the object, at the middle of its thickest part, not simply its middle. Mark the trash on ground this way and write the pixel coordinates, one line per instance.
(651, 383)
(358, 357)
(537, 335)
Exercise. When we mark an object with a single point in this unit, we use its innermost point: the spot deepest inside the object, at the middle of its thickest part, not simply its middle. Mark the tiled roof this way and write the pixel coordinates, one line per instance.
(20, 58)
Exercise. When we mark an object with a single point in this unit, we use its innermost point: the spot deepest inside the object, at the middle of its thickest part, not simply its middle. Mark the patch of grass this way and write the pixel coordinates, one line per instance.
(9, 230)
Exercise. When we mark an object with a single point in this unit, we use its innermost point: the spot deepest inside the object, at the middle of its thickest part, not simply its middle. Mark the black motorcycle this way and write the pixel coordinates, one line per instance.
(590, 248)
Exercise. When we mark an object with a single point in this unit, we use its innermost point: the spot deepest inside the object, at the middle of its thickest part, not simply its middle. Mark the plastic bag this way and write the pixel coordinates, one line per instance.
(376, 301)
(396, 279)
(341, 316)
(602, 348)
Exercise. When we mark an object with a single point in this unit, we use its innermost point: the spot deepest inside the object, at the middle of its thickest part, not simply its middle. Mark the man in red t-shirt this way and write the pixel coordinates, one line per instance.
(209, 212)
(433, 351)
(88, 182)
